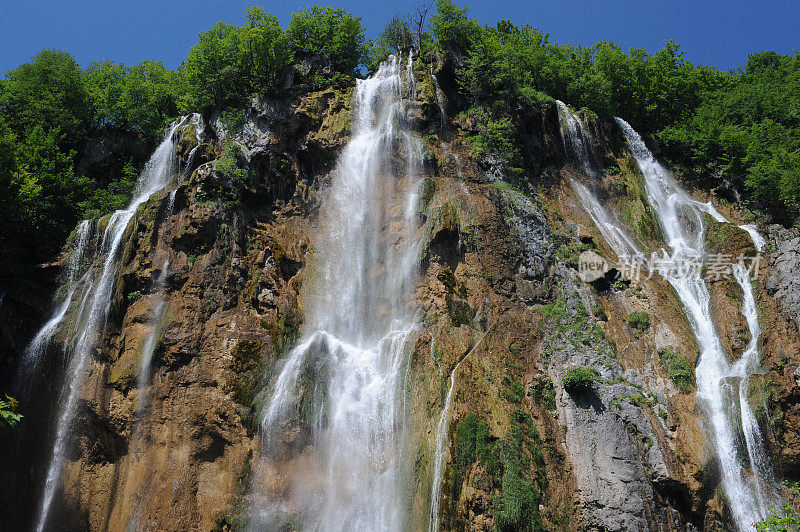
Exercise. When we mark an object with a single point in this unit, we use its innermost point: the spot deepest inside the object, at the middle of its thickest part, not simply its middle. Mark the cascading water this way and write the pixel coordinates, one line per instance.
(439, 97)
(97, 285)
(438, 456)
(441, 440)
(352, 359)
(574, 136)
(36, 349)
(573, 133)
(721, 385)
(149, 346)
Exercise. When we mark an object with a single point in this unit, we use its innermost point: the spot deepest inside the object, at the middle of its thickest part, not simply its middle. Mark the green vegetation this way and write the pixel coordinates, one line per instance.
(514, 465)
(579, 380)
(639, 320)
(73, 140)
(331, 32)
(8, 411)
(784, 520)
(737, 127)
(543, 392)
(230, 63)
(513, 390)
(678, 368)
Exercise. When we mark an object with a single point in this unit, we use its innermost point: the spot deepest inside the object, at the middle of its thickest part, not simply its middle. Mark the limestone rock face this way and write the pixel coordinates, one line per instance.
(783, 280)
(501, 309)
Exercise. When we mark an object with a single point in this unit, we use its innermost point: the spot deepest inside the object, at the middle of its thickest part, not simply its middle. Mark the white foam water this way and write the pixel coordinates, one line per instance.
(352, 358)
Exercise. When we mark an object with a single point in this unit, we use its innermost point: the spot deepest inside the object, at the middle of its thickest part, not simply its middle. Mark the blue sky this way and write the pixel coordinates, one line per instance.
(717, 33)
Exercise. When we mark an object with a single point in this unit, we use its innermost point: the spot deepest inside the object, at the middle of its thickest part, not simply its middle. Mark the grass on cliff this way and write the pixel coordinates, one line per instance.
(579, 380)
(512, 465)
(678, 368)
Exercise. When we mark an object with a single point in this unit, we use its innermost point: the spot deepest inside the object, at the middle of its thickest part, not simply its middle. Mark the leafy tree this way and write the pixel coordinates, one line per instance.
(213, 70)
(394, 38)
(47, 92)
(451, 26)
(331, 32)
(264, 50)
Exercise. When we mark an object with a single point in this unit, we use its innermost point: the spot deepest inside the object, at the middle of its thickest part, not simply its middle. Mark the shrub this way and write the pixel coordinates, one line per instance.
(514, 391)
(678, 368)
(599, 312)
(639, 320)
(8, 411)
(579, 379)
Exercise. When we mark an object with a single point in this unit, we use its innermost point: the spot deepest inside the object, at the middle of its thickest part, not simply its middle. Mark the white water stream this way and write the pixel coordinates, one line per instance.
(353, 355)
(721, 384)
(90, 317)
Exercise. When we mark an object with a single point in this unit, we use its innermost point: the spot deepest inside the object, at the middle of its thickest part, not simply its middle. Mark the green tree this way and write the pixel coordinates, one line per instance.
(213, 70)
(47, 92)
(264, 50)
(331, 32)
(451, 25)
(395, 37)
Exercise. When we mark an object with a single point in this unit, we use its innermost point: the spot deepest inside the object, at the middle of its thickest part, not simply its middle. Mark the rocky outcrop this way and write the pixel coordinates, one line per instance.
(783, 280)
(573, 404)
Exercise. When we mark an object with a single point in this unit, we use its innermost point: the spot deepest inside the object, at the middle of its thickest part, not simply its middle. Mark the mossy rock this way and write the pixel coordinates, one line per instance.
(728, 239)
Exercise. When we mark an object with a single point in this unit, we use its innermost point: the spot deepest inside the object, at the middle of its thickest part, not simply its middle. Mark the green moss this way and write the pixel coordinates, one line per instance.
(513, 390)
(678, 368)
(459, 311)
(725, 238)
(543, 392)
(514, 466)
(599, 312)
(248, 367)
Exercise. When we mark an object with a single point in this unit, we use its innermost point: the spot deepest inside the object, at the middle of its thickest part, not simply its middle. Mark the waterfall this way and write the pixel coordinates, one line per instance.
(89, 320)
(149, 346)
(199, 127)
(438, 456)
(574, 137)
(758, 240)
(721, 385)
(35, 351)
(439, 97)
(351, 359)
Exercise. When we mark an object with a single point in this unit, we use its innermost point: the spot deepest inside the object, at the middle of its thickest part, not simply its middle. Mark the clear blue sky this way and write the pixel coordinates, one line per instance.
(717, 33)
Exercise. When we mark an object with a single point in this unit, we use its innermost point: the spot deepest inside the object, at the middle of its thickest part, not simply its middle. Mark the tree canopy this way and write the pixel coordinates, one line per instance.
(739, 129)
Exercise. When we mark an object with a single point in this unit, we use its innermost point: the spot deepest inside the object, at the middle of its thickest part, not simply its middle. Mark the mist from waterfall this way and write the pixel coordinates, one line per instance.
(348, 373)
(88, 318)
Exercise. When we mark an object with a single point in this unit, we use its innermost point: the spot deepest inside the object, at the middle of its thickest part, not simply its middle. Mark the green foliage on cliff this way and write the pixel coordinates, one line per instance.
(784, 520)
(8, 411)
(334, 33)
(395, 37)
(738, 129)
(639, 320)
(513, 465)
(579, 379)
(56, 118)
(73, 140)
(678, 368)
(230, 63)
